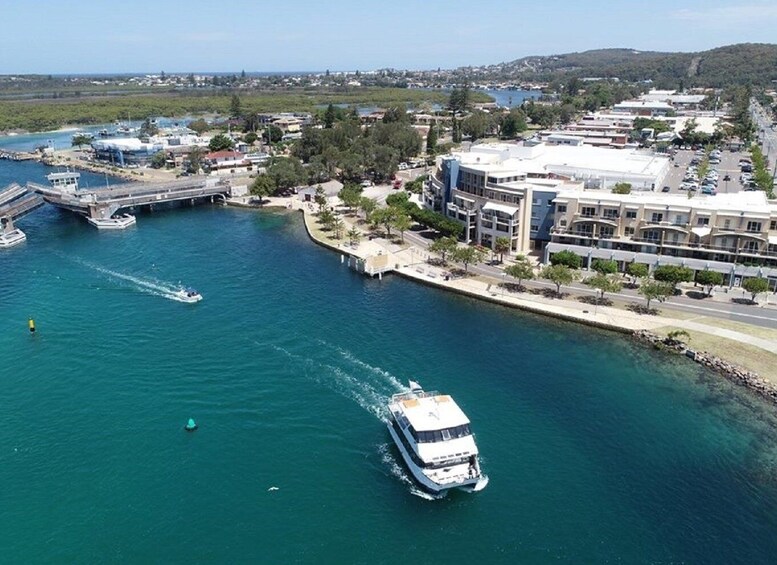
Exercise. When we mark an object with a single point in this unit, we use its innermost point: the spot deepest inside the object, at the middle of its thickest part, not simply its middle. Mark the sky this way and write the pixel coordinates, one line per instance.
(114, 36)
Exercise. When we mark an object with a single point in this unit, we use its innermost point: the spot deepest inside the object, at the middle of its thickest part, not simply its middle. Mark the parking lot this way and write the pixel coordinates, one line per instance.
(729, 165)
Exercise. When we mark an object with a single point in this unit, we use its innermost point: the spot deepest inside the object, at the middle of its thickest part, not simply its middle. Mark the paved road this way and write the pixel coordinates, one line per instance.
(765, 131)
(763, 317)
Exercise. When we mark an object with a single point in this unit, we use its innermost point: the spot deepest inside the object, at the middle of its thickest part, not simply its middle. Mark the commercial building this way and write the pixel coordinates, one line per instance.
(734, 234)
(506, 190)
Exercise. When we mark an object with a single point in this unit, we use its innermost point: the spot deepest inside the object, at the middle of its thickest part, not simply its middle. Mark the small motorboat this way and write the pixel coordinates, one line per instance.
(188, 295)
(11, 238)
(115, 222)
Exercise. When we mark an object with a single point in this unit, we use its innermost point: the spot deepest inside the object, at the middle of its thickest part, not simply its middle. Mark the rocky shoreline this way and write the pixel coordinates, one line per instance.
(731, 372)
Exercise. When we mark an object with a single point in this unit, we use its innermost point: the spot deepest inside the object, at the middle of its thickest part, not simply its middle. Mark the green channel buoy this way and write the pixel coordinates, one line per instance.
(190, 425)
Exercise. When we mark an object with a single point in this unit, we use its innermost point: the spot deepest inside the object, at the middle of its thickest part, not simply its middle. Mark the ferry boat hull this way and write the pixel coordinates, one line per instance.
(117, 223)
(12, 238)
(473, 484)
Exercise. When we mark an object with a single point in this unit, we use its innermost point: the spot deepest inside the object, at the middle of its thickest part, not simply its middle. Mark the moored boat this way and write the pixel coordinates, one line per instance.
(434, 437)
(12, 237)
(115, 222)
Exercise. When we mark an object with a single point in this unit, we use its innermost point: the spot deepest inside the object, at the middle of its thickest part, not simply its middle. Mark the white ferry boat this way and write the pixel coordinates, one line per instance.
(188, 295)
(11, 238)
(433, 436)
(115, 222)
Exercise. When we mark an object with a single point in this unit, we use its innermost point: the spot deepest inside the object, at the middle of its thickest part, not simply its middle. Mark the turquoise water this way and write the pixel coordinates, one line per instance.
(598, 450)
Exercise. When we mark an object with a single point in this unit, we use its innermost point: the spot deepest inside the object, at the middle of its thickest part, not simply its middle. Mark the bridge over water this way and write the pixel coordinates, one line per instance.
(103, 203)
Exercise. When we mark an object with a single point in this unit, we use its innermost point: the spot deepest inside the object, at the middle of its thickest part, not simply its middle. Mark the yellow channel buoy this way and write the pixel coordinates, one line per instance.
(31, 325)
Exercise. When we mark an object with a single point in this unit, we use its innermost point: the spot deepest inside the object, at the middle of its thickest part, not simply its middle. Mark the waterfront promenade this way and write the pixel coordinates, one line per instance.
(753, 348)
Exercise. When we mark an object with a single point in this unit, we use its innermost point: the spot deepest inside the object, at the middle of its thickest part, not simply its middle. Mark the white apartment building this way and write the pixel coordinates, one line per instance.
(735, 234)
(506, 190)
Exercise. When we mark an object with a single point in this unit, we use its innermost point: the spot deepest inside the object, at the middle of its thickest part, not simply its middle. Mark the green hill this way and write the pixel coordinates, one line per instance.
(754, 63)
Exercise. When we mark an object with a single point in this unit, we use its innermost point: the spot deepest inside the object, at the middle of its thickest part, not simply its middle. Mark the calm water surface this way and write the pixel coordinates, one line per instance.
(598, 450)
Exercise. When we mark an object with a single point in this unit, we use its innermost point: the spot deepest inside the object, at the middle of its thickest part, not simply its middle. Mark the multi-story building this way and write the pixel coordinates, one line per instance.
(735, 234)
(506, 190)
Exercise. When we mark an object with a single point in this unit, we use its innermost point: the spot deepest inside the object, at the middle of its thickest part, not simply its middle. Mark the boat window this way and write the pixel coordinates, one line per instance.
(442, 435)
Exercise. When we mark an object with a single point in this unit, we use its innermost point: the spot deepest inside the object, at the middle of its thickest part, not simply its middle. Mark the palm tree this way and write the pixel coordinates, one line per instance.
(502, 246)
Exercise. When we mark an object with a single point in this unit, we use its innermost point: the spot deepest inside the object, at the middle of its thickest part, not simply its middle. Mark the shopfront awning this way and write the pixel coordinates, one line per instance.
(701, 232)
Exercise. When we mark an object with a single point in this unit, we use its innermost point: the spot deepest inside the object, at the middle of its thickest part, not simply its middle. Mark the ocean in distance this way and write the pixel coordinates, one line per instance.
(598, 449)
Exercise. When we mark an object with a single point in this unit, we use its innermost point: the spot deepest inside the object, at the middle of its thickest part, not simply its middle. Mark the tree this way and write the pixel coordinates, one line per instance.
(158, 160)
(459, 100)
(148, 129)
(287, 172)
(194, 160)
(329, 116)
(234, 106)
(263, 186)
(567, 258)
(384, 217)
(350, 195)
(367, 205)
(559, 274)
(708, 280)
(501, 246)
(250, 138)
(477, 125)
(655, 290)
(443, 246)
(80, 139)
(678, 336)
(604, 266)
(467, 255)
(622, 188)
(199, 126)
(327, 218)
(396, 113)
(637, 271)
(456, 131)
(338, 226)
(513, 123)
(272, 134)
(402, 223)
(431, 140)
(755, 286)
(354, 236)
(604, 283)
(673, 274)
(320, 199)
(220, 142)
(521, 270)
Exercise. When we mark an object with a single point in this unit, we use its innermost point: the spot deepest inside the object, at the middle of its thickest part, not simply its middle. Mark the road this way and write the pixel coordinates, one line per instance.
(764, 129)
(763, 317)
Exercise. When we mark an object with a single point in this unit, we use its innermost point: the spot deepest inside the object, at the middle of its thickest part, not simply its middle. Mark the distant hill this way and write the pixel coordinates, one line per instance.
(754, 63)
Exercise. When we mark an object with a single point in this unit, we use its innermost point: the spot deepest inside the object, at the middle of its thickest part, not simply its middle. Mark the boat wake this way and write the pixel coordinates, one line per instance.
(367, 385)
(398, 471)
(148, 286)
(365, 393)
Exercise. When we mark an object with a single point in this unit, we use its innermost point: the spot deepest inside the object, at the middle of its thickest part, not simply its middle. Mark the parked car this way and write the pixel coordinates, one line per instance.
(666, 189)
(708, 190)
